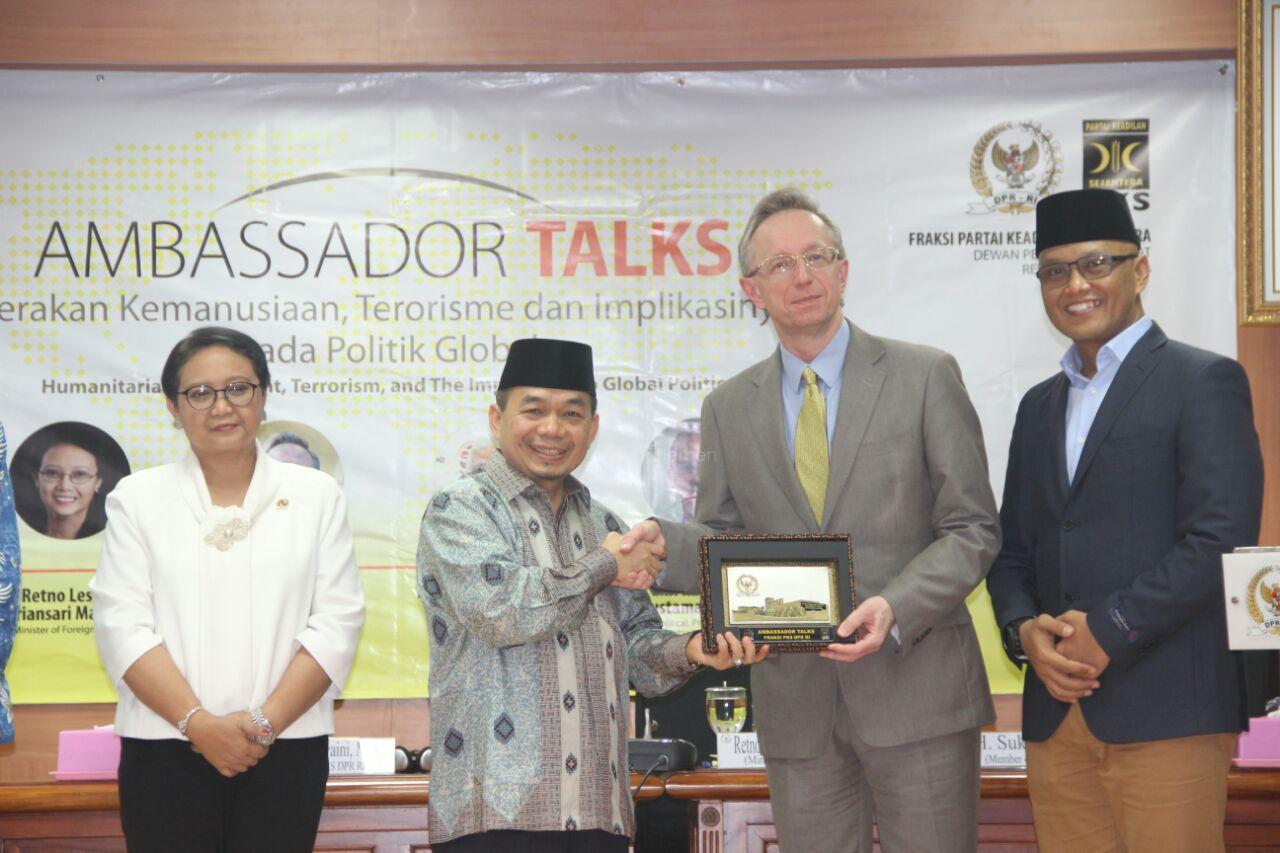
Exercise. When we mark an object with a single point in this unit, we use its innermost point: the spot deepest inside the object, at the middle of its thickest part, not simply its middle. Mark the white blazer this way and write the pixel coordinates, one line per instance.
(232, 619)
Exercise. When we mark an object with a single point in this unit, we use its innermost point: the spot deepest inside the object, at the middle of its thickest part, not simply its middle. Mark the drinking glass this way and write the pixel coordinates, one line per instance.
(726, 708)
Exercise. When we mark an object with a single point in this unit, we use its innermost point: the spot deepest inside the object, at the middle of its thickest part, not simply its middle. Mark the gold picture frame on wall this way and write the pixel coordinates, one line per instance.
(1257, 180)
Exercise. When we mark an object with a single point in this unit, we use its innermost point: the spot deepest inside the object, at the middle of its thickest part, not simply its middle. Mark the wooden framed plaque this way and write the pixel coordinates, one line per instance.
(790, 591)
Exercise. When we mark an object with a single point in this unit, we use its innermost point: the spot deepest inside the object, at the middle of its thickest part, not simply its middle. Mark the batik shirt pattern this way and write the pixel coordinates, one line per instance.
(531, 653)
(10, 585)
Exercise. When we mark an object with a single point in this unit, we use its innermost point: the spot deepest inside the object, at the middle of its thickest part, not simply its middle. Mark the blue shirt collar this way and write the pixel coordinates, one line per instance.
(1113, 352)
(828, 364)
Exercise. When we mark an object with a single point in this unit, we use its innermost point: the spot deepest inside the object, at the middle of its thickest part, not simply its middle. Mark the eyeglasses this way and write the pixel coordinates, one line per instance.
(201, 397)
(780, 267)
(1091, 268)
(77, 476)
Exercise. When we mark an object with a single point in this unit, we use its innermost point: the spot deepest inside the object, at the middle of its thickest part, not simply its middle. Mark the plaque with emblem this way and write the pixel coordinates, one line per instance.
(790, 591)
(1251, 581)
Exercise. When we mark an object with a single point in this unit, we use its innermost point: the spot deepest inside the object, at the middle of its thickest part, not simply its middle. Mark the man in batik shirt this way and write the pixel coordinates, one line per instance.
(537, 621)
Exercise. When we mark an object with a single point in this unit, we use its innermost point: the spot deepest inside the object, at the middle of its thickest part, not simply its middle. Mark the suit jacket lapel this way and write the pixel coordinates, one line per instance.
(767, 427)
(1058, 433)
(1134, 370)
(859, 390)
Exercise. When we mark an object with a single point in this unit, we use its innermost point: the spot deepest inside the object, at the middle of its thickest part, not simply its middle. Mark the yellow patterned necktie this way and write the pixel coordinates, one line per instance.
(811, 445)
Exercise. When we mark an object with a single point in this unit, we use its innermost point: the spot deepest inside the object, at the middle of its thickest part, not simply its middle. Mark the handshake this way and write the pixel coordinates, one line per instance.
(639, 554)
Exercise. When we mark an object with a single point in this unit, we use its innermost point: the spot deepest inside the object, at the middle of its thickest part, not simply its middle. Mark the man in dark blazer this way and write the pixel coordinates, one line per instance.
(1130, 473)
(891, 453)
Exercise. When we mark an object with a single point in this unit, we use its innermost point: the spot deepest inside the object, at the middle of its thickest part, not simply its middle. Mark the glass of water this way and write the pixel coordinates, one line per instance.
(726, 708)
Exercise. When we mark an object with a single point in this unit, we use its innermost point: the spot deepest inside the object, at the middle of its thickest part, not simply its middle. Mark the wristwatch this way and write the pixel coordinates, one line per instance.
(1012, 640)
(260, 720)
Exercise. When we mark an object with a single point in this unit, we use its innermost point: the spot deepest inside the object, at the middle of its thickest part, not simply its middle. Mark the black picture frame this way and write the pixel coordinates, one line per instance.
(812, 576)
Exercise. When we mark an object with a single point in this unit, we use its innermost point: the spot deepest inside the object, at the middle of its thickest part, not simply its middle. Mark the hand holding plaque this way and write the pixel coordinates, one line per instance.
(869, 624)
(726, 651)
(790, 591)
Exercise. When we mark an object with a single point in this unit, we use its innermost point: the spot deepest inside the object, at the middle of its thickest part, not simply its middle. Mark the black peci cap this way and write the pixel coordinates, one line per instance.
(1078, 216)
(548, 363)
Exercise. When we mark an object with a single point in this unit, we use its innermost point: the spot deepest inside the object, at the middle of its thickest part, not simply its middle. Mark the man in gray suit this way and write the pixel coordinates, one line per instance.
(839, 431)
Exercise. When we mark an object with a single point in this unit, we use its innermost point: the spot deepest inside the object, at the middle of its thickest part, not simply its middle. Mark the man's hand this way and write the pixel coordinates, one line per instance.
(637, 567)
(1044, 642)
(646, 531)
(1081, 645)
(730, 651)
(870, 623)
(224, 742)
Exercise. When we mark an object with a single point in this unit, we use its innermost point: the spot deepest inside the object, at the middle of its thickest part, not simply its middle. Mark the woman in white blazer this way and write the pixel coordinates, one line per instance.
(227, 608)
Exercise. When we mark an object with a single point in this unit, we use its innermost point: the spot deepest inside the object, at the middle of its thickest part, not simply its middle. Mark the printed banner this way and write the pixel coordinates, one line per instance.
(385, 236)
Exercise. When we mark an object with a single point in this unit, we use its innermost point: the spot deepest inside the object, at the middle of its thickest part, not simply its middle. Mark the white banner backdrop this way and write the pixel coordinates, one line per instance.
(386, 235)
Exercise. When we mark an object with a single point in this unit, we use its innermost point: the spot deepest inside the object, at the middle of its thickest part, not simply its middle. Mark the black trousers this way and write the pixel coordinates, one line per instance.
(520, 841)
(172, 799)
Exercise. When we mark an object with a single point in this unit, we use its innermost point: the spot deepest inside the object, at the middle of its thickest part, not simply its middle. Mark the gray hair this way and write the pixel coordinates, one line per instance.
(787, 198)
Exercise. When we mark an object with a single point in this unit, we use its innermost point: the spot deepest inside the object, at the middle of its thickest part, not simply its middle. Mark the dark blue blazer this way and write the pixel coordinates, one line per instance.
(1170, 478)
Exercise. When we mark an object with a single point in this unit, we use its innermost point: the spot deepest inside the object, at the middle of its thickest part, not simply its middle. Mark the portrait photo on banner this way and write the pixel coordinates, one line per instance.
(62, 474)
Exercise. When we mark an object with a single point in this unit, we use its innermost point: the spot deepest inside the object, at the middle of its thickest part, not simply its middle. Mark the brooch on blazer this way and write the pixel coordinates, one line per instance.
(228, 533)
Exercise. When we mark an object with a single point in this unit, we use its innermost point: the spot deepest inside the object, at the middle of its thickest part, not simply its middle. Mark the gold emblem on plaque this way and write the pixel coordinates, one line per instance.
(1264, 599)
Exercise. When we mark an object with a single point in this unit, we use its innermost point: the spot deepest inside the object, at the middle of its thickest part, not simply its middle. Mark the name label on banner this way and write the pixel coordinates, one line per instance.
(362, 756)
(739, 751)
(1003, 751)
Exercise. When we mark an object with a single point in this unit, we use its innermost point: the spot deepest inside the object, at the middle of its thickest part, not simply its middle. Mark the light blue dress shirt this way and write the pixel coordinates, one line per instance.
(829, 365)
(1085, 395)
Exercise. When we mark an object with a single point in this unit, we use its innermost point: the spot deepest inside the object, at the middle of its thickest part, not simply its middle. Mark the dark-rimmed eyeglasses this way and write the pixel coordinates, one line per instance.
(782, 266)
(1091, 268)
(238, 394)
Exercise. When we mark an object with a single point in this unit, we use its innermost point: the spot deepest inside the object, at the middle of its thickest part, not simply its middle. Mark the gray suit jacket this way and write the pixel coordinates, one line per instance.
(909, 484)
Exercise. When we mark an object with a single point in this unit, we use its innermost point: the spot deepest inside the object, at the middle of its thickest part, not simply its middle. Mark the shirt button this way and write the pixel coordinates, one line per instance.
(1093, 390)
(1079, 441)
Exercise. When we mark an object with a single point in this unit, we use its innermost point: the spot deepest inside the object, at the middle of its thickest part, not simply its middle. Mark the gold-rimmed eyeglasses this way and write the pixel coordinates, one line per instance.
(77, 476)
(782, 266)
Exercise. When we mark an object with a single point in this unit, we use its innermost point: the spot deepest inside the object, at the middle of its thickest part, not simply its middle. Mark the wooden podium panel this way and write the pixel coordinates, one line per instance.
(386, 814)
(731, 812)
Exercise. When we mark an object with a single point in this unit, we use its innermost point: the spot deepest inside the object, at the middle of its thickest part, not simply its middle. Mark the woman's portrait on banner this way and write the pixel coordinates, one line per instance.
(62, 475)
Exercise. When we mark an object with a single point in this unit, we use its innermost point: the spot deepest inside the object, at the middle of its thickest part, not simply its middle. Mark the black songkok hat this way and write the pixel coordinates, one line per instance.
(1078, 216)
(548, 363)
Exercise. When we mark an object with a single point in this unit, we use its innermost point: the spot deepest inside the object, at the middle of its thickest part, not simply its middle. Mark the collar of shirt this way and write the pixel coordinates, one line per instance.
(1111, 355)
(828, 364)
(511, 482)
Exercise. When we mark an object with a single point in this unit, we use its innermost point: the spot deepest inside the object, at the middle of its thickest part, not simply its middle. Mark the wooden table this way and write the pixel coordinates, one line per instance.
(732, 813)
(387, 814)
